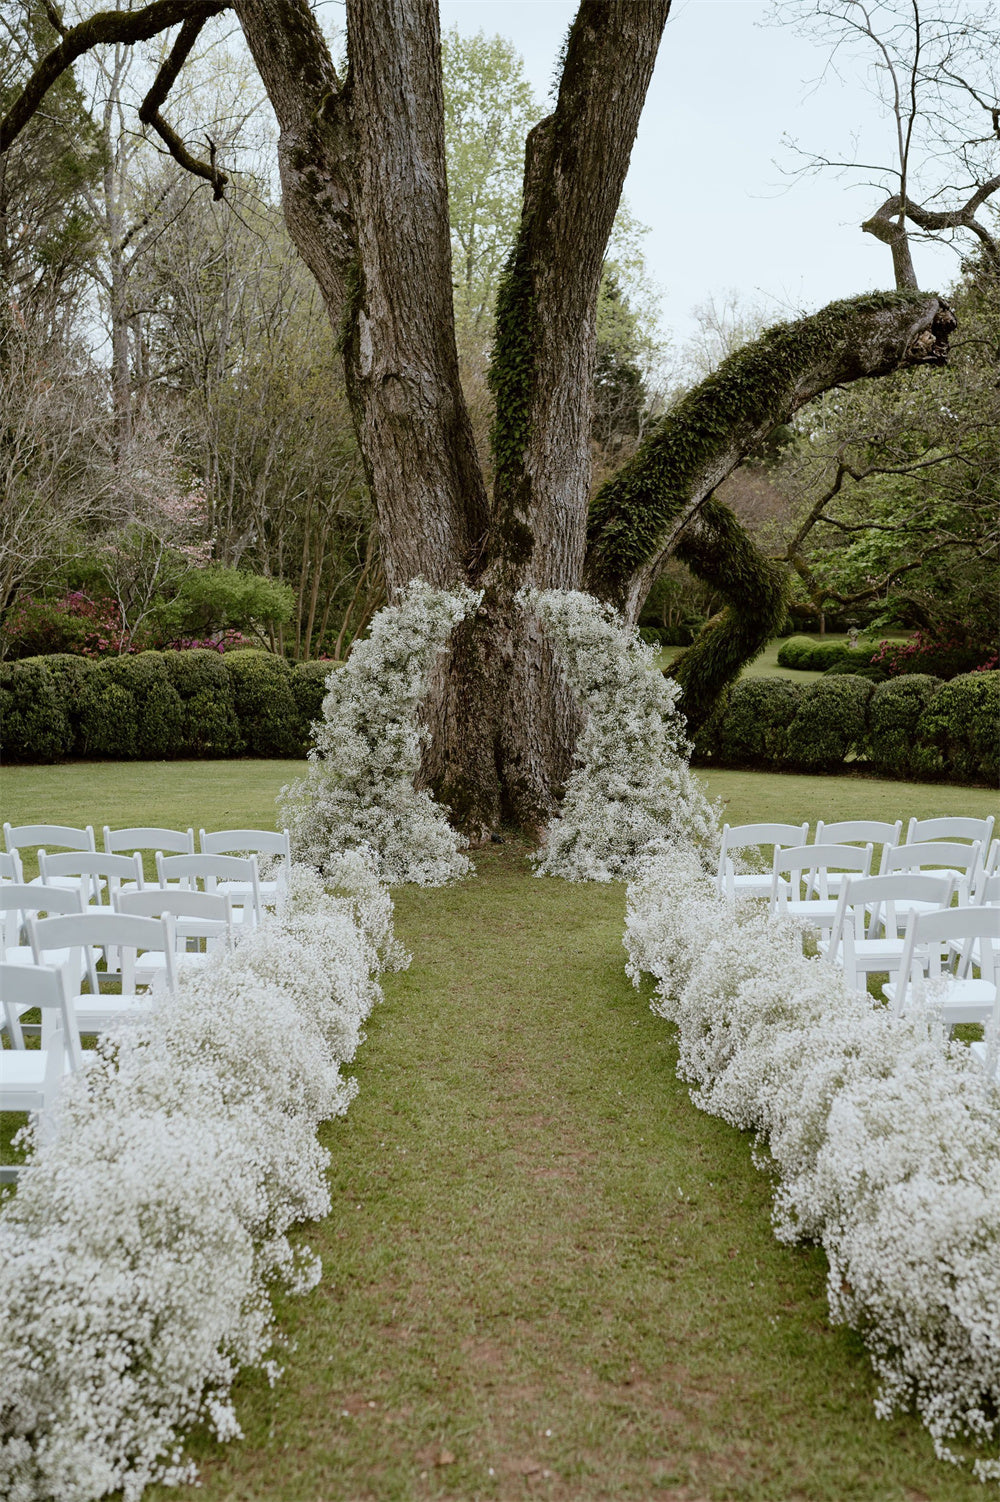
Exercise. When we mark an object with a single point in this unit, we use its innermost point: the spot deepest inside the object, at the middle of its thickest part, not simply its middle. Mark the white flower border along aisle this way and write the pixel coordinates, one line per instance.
(633, 791)
(359, 790)
(884, 1139)
(141, 1248)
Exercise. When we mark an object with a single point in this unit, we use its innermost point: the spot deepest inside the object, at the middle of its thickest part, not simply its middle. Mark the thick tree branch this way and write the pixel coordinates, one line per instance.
(124, 26)
(639, 514)
(149, 109)
(575, 165)
(721, 553)
(886, 223)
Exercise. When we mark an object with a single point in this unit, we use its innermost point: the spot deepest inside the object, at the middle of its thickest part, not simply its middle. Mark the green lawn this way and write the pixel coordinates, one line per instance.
(545, 1273)
(766, 665)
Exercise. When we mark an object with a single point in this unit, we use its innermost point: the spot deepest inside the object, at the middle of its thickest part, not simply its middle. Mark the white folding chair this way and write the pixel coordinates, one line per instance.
(131, 936)
(951, 828)
(940, 857)
(201, 918)
(857, 943)
(857, 832)
(17, 902)
(936, 936)
(735, 885)
(63, 836)
(98, 875)
(209, 870)
(30, 1077)
(251, 842)
(145, 839)
(800, 887)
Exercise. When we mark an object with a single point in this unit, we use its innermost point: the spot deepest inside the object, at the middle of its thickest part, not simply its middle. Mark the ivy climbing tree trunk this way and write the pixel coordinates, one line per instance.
(362, 167)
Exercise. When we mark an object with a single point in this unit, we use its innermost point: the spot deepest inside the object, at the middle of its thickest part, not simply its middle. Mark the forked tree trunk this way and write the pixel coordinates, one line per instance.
(362, 168)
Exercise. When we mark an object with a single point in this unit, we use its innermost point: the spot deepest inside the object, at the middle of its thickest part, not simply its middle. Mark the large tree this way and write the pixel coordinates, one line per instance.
(362, 166)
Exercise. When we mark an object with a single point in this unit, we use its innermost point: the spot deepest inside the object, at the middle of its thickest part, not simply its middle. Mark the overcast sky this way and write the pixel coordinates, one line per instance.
(705, 172)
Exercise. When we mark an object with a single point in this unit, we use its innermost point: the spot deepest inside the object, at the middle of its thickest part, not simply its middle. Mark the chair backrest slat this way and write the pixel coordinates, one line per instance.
(141, 837)
(68, 836)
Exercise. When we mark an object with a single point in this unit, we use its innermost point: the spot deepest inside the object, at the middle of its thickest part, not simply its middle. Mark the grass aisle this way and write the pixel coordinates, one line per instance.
(546, 1274)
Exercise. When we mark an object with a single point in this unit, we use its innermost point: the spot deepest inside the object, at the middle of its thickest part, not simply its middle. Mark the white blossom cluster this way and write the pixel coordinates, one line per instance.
(359, 789)
(884, 1139)
(141, 1248)
(633, 791)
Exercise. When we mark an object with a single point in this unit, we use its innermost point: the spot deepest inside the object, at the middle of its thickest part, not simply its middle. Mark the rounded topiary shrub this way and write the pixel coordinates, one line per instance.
(751, 726)
(130, 709)
(309, 689)
(830, 723)
(893, 712)
(69, 674)
(34, 723)
(107, 725)
(209, 726)
(958, 733)
(264, 702)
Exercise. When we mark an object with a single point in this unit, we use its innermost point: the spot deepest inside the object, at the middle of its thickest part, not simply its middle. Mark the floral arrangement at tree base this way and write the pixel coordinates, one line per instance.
(633, 790)
(359, 790)
(882, 1136)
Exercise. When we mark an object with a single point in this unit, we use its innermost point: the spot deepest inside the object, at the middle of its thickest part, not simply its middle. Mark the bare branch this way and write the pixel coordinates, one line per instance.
(149, 110)
(107, 26)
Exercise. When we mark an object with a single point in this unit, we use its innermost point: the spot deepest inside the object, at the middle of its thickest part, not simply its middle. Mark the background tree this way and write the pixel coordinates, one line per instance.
(934, 69)
(362, 162)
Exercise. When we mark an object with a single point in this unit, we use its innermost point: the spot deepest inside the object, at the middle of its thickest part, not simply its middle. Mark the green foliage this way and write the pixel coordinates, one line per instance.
(129, 707)
(750, 726)
(959, 731)
(209, 726)
(36, 727)
(219, 599)
(265, 705)
(813, 655)
(309, 691)
(830, 723)
(488, 110)
(893, 714)
(512, 366)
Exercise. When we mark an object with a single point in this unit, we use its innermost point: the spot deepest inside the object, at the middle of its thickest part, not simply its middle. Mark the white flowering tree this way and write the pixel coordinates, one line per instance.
(633, 790)
(359, 792)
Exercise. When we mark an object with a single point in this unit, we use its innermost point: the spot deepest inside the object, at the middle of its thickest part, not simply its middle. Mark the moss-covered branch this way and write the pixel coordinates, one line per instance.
(639, 514)
(718, 550)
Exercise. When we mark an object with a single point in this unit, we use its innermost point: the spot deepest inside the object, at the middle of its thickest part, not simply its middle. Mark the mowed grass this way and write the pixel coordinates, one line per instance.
(545, 1273)
(767, 665)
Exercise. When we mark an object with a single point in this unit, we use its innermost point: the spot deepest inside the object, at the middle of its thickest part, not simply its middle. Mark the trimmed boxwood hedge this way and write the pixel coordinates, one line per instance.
(893, 713)
(909, 727)
(159, 705)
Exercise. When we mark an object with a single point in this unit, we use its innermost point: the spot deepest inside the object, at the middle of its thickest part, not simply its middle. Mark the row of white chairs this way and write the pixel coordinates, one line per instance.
(149, 931)
(90, 917)
(928, 920)
(964, 845)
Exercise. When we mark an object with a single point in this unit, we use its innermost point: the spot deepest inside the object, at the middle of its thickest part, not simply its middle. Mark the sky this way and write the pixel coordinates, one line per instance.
(706, 173)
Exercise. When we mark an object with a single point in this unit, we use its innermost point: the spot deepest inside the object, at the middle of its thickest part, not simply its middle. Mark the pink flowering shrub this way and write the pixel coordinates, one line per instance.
(923, 653)
(75, 623)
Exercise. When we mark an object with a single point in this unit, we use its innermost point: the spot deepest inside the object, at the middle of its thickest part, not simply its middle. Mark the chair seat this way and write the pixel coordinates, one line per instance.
(95, 1013)
(958, 1000)
(820, 911)
(21, 954)
(24, 1070)
(871, 954)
